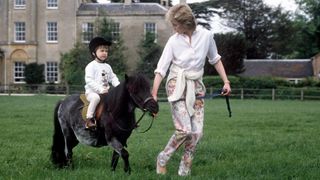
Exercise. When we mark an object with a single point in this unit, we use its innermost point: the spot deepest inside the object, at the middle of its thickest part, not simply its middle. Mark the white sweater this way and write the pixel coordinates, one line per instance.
(185, 80)
(99, 75)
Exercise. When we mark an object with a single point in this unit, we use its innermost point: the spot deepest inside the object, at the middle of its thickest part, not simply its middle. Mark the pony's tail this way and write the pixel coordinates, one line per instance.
(58, 156)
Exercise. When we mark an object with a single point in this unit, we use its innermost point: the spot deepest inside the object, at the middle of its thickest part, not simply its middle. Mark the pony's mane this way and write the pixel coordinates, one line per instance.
(138, 82)
(118, 96)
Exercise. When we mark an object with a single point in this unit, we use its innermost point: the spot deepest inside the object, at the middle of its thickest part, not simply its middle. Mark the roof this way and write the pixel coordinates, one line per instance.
(293, 68)
(122, 9)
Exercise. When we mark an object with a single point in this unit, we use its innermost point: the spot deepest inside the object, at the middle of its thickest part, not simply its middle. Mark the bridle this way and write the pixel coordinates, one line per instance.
(144, 110)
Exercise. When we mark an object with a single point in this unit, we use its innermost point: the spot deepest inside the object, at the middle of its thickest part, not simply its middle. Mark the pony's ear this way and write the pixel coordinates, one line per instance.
(126, 77)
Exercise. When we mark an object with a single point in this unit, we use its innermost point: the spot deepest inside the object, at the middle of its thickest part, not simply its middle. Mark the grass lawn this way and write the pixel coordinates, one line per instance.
(263, 140)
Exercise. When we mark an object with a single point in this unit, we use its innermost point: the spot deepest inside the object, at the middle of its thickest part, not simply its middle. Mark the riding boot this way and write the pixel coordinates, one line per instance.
(91, 123)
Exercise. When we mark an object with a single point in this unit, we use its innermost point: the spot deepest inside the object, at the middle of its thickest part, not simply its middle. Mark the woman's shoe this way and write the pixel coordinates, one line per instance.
(161, 169)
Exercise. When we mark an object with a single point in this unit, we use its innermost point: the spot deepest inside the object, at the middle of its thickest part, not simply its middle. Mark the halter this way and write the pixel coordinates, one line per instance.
(144, 112)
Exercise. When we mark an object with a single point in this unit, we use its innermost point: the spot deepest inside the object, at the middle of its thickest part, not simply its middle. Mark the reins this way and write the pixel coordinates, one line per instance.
(136, 125)
(144, 112)
(216, 94)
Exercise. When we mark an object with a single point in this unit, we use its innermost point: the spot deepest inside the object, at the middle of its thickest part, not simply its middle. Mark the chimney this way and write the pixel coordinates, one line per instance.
(127, 2)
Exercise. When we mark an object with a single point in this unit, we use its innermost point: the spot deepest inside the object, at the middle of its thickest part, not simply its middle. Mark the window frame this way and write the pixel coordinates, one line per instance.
(52, 71)
(18, 72)
(87, 34)
(52, 4)
(153, 29)
(19, 4)
(52, 32)
(115, 31)
(19, 32)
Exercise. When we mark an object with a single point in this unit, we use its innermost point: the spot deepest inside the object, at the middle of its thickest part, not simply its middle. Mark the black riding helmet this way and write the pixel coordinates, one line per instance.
(96, 42)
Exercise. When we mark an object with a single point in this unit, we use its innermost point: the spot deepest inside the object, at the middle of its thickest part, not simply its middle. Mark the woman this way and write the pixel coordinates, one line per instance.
(185, 53)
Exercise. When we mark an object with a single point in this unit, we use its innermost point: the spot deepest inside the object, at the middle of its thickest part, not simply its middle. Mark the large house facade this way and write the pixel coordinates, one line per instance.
(39, 31)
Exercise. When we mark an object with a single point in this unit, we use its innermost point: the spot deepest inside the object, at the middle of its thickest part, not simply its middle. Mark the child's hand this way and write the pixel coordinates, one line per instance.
(104, 90)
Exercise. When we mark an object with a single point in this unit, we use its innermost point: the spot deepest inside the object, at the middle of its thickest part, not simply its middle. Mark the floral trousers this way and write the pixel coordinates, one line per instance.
(188, 130)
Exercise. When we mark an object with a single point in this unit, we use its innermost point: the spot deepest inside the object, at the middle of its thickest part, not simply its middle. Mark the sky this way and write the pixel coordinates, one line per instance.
(286, 4)
(217, 25)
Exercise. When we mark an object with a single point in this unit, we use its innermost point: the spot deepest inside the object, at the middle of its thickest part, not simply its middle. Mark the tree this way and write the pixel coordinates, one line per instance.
(307, 42)
(143, 1)
(150, 53)
(116, 59)
(232, 48)
(34, 73)
(203, 14)
(259, 24)
(73, 64)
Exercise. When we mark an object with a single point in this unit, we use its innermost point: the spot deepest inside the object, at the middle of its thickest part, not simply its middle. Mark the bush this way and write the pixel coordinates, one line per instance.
(34, 73)
(258, 82)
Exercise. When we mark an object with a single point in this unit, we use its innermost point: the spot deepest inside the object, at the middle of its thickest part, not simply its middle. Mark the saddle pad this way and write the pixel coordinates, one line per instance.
(85, 106)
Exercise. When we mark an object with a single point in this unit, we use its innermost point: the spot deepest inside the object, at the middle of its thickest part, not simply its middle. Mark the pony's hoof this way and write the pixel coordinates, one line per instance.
(127, 170)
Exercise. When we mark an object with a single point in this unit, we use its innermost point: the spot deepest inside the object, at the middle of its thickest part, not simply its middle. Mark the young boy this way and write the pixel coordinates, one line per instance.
(98, 75)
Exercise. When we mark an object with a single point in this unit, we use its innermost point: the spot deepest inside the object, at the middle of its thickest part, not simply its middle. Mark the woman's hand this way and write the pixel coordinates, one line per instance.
(226, 90)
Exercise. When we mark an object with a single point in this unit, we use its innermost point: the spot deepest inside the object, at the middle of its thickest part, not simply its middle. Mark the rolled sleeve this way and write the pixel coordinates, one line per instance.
(213, 55)
(165, 60)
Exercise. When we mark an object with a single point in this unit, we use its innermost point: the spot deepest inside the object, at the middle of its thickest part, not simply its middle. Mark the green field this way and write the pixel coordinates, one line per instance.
(263, 140)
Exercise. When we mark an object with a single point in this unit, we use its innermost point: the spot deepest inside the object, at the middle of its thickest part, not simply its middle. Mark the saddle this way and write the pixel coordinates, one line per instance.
(84, 108)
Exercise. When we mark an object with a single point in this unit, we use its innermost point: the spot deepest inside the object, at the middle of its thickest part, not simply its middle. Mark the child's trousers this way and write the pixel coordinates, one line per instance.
(94, 100)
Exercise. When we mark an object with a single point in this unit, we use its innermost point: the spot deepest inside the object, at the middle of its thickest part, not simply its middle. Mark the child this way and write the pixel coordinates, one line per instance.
(98, 75)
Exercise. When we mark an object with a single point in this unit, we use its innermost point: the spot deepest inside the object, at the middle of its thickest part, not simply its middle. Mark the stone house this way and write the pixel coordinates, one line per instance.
(39, 31)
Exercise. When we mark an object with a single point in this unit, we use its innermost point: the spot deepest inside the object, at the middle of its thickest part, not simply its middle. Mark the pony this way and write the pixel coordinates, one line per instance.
(115, 125)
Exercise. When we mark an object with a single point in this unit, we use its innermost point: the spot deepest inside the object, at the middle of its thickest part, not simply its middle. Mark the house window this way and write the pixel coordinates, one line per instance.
(19, 4)
(20, 32)
(52, 32)
(52, 4)
(19, 72)
(52, 72)
(87, 32)
(150, 28)
(115, 31)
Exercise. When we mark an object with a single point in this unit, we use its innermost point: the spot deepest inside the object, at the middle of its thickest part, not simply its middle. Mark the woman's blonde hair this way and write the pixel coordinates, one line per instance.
(182, 14)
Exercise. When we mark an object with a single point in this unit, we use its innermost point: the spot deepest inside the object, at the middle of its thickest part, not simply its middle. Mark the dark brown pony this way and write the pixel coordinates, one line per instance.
(114, 127)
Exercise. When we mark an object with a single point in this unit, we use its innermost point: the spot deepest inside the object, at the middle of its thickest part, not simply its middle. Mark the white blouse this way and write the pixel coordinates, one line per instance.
(98, 75)
(180, 52)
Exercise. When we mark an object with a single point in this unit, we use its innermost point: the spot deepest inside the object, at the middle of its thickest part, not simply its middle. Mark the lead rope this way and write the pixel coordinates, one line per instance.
(210, 96)
(228, 105)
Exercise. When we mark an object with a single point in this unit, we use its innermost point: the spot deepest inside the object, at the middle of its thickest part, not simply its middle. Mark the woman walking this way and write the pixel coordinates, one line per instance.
(185, 54)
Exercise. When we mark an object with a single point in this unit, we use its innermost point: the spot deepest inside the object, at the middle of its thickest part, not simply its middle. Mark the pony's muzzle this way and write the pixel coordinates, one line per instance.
(151, 106)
